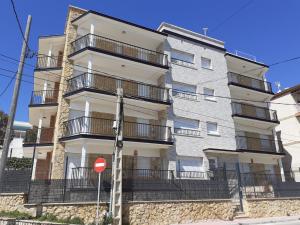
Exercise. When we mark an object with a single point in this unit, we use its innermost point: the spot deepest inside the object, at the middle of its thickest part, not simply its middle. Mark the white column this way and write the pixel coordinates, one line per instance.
(92, 30)
(49, 57)
(83, 155)
(44, 92)
(86, 115)
(281, 170)
(35, 157)
(89, 75)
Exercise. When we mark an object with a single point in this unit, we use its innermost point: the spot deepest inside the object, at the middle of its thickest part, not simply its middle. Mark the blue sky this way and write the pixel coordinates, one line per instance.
(268, 29)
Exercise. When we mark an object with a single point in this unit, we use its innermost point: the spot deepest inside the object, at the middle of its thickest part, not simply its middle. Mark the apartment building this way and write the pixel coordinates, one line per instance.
(189, 106)
(286, 103)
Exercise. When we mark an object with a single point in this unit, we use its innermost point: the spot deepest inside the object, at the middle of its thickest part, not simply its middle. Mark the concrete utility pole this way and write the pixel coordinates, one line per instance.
(116, 188)
(13, 106)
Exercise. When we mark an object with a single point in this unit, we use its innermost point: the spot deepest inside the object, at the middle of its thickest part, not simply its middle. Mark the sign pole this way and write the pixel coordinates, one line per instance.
(98, 199)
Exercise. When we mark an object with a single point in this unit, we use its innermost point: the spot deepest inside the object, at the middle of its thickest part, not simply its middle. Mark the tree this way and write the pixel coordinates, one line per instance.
(3, 124)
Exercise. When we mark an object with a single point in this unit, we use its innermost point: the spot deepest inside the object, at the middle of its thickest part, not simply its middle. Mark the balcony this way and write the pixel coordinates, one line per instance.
(251, 144)
(119, 49)
(245, 114)
(49, 63)
(108, 85)
(99, 128)
(44, 98)
(36, 136)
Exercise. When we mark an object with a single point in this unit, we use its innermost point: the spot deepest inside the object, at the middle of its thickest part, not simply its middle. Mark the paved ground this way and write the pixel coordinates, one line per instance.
(290, 220)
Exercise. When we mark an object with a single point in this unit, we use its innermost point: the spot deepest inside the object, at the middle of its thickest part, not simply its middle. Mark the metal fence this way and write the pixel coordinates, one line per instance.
(104, 127)
(49, 62)
(16, 180)
(249, 82)
(255, 112)
(119, 48)
(44, 97)
(109, 85)
(13, 221)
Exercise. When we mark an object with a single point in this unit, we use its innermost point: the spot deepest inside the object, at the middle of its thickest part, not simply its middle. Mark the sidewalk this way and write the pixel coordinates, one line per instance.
(266, 221)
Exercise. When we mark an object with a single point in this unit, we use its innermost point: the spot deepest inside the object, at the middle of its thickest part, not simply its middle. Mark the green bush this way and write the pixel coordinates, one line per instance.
(19, 163)
(15, 214)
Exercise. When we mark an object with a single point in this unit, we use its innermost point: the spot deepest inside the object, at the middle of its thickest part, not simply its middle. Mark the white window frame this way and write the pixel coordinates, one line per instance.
(214, 133)
(204, 67)
(209, 97)
(183, 53)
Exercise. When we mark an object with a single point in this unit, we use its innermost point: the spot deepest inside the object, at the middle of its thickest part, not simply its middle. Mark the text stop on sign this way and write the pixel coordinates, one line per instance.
(99, 165)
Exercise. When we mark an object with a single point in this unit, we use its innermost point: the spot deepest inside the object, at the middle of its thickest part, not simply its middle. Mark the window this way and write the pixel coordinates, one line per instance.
(189, 164)
(177, 55)
(212, 128)
(186, 91)
(209, 94)
(187, 127)
(206, 63)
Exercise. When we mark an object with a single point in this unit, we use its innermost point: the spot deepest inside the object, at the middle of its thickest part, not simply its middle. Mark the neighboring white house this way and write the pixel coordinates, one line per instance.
(16, 145)
(288, 131)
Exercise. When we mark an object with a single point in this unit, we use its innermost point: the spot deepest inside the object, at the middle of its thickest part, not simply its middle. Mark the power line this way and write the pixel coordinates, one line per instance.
(7, 86)
(232, 15)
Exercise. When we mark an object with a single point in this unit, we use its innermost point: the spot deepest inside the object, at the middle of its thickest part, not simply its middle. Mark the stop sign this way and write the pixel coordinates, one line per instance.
(99, 165)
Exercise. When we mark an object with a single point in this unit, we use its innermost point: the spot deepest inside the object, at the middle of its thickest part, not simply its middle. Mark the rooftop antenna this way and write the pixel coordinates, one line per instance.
(278, 85)
(205, 29)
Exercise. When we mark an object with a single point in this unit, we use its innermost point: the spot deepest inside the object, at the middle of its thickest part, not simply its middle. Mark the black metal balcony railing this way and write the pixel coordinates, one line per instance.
(258, 144)
(49, 62)
(109, 85)
(44, 97)
(39, 136)
(119, 48)
(88, 173)
(249, 82)
(104, 127)
(254, 112)
(187, 132)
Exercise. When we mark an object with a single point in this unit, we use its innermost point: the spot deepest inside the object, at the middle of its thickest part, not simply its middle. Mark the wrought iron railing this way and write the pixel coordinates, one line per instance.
(49, 62)
(110, 84)
(44, 97)
(250, 82)
(255, 112)
(258, 144)
(187, 132)
(39, 136)
(119, 48)
(104, 127)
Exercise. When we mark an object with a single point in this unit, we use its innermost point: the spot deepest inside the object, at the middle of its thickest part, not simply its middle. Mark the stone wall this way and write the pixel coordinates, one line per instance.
(15, 202)
(165, 213)
(85, 211)
(272, 207)
(58, 156)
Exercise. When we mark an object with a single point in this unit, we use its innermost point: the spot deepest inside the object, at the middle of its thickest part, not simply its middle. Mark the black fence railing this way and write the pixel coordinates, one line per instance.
(255, 112)
(109, 85)
(104, 127)
(49, 62)
(44, 97)
(39, 136)
(250, 82)
(258, 144)
(16, 180)
(119, 48)
(150, 185)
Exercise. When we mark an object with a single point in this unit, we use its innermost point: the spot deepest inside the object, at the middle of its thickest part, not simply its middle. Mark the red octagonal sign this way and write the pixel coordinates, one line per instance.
(99, 165)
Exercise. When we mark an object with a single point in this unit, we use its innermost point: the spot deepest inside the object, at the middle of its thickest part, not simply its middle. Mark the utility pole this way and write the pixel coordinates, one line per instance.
(116, 187)
(14, 102)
